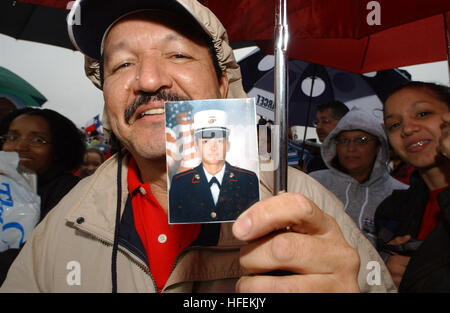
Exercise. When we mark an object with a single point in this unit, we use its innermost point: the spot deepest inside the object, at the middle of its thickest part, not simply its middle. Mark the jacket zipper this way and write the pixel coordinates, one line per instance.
(141, 266)
(124, 251)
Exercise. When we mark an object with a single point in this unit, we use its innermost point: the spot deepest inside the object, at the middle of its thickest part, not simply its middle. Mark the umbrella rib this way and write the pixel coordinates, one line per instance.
(358, 21)
(307, 111)
(22, 30)
(401, 73)
(447, 40)
(363, 61)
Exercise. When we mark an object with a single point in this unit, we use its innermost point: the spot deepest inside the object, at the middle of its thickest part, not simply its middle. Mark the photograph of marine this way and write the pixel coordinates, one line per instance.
(214, 191)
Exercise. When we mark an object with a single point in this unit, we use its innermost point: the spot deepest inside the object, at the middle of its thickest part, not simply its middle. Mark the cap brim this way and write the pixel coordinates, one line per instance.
(88, 19)
(212, 132)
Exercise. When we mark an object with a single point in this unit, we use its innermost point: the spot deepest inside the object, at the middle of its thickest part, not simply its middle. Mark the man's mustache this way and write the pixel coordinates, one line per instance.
(145, 97)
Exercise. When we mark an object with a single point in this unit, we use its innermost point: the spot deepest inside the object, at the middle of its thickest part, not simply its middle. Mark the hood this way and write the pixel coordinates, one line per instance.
(214, 28)
(357, 119)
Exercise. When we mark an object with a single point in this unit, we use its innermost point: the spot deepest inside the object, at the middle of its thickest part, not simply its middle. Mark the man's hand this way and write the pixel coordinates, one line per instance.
(313, 248)
(444, 141)
(397, 264)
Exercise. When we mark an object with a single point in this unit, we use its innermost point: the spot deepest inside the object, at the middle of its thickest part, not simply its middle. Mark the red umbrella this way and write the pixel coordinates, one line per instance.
(355, 35)
(330, 32)
(337, 32)
(59, 4)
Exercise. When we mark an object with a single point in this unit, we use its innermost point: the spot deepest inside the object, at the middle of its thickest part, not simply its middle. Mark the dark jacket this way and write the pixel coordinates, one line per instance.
(190, 198)
(401, 214)
(316, 164)
(53, 189)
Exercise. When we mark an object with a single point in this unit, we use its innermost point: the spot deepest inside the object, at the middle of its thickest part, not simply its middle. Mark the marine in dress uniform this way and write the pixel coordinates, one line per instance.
(197, 196)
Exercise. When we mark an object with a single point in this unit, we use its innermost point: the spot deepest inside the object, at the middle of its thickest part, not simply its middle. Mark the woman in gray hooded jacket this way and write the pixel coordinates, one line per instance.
(356, 153)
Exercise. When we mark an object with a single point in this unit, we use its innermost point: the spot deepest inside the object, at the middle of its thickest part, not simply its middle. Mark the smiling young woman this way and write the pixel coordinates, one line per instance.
(48, 144)
(413, 225)
(413, 122)
(31, 138)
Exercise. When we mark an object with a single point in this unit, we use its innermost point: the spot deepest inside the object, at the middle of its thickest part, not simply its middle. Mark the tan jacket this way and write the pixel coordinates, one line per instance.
(70, 250)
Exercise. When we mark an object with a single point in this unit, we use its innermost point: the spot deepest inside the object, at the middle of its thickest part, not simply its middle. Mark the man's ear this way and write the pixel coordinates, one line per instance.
(223, 85)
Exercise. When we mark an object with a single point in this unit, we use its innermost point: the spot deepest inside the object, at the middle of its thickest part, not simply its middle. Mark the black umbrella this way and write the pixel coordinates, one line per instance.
(312, 84)
(34, 22)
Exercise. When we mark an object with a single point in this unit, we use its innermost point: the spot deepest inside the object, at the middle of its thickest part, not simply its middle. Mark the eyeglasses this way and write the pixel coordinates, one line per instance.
(359, 141)
(32, 141)
(323, 122)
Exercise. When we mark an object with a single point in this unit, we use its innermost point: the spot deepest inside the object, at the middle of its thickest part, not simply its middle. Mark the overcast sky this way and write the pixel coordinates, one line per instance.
(58, 74)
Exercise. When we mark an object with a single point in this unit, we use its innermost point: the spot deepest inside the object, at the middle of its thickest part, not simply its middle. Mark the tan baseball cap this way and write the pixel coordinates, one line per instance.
(89, 20)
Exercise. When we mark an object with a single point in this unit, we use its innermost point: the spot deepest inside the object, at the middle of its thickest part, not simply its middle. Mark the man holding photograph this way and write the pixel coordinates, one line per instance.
(111, 232)
(214, 191)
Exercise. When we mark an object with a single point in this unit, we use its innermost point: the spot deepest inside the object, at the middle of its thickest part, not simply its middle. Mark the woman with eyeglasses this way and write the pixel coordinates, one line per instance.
(413, 225)
(356, 153)
(48, 144)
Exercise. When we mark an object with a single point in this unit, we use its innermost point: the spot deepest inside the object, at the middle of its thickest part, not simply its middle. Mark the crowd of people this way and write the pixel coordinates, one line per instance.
(345, 209)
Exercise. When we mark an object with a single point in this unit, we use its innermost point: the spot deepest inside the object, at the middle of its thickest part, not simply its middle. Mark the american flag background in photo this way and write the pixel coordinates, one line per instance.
(180, 146)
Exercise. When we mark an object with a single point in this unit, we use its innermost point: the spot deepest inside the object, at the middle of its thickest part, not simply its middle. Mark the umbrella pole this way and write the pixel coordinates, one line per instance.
(281, 95)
